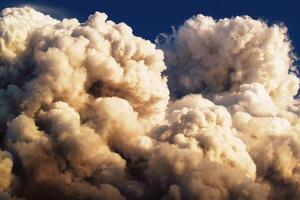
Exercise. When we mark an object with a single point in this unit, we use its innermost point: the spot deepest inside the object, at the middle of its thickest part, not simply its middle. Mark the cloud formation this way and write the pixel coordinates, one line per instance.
(245, 66)
(211, 57)
(86, 111)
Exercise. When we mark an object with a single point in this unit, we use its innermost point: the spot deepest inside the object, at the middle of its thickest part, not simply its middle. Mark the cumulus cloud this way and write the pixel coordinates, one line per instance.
(90, 111)
(245, 66)
(210, 56)
(76, 102)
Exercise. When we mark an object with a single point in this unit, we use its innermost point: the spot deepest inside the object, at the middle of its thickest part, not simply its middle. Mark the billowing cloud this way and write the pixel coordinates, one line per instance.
(76, 100)
(5, 170)
(86, 112)
(245, 66)
(210, 56)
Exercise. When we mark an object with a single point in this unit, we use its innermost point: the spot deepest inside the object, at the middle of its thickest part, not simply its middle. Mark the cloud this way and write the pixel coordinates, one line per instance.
(46, 9)
(74, 97)
(90, 111)
(5, 170)
(210, 56)
(244, 65)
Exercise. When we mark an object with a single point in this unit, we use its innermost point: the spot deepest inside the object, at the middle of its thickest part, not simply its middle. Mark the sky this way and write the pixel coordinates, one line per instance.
(149, 18)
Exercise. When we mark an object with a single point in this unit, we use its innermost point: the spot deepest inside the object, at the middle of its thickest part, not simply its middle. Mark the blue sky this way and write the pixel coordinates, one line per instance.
(149, 18)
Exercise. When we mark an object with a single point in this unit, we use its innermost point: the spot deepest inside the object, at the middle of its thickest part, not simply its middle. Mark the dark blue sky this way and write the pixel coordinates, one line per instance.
(149, 18)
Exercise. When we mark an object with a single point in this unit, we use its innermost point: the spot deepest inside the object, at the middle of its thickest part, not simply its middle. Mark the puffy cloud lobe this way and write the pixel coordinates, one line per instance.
(205, 128)
(187, 175)
(209, 56)
(252, 98)
(85, 110)
(5, 170)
